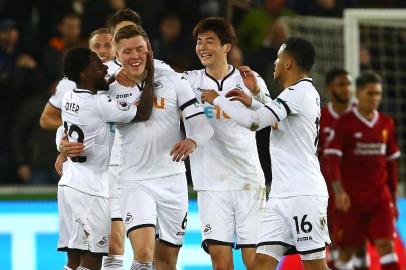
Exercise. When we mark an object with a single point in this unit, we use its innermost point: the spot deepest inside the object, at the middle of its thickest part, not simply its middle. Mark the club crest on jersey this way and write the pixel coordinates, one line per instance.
(207, 229)
(358, 135)
(158, 85)
(238, 86)
(102, 243)
(384, 135)
(129, 218)
(123, 106)
(323, 223)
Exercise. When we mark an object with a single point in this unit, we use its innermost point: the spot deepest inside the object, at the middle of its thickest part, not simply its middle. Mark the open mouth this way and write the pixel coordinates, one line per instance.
(205, 55)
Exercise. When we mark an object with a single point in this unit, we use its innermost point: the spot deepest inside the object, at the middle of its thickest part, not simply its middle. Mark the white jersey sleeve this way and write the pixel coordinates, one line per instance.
(58, 137)
(115, 110)
(61, 89)
(162, 65)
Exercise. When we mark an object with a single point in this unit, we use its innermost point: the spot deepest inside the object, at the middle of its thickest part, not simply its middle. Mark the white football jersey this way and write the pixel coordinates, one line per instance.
(145, 146)
(85, 119)
(293, 145)
(113, 66)
(229, 161)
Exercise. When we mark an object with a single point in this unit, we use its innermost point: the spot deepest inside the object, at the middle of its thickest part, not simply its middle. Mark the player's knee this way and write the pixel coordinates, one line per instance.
(165, 262)
(222, 265)
(116, 247)
(384, 246)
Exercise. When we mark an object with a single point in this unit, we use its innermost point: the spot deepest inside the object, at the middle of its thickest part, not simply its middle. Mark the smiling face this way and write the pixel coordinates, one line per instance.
(101, 44)
(209, 49)
(132, 53)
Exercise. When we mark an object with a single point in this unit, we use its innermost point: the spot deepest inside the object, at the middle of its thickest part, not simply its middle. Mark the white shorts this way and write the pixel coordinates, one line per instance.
(113, 194)
(161, 203)
(298, 223)
(231, 216)
(84, 221)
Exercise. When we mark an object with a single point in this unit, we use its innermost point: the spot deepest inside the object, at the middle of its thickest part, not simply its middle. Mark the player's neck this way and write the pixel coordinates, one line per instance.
(87, 86)
(340, 108)
(293, 78)
(218, 71)
(366, 113)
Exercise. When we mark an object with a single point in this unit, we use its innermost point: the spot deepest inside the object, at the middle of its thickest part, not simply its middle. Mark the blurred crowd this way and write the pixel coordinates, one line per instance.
(34, 35)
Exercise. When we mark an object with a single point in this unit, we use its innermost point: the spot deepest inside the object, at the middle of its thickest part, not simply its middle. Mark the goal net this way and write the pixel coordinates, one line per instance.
(363, 39)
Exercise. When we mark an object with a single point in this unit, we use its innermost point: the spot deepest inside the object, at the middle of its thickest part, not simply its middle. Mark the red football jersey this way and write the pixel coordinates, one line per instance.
(364, 147)
(327, 122)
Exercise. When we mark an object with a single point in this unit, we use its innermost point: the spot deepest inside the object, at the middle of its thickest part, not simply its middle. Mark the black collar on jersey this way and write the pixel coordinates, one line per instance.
(83, 91)
(310, 80)
(220, 85)
(140, 86)
(117, 63)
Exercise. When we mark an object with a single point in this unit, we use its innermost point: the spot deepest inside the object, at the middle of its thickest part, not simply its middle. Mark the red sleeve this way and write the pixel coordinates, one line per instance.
(334, 152)
(392, 148)
(392, 154)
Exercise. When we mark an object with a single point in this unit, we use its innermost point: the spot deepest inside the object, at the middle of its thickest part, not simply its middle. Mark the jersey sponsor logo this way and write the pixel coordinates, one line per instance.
(159, 103)
(118, 96)
(369, 149)
(200, 89)
(102, 243)
(207, 229)
(123, 106)
(129, 218)
(71, 107)
(180, 233)
(215, 113)
(158, 85)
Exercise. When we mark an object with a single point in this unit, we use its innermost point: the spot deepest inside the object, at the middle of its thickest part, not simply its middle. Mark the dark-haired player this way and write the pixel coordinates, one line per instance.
(226, 171)
(363, 155)
(296, 212)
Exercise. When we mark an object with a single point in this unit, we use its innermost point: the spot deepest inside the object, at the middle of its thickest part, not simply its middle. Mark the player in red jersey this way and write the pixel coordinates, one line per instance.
(339, 88)
(362, 160)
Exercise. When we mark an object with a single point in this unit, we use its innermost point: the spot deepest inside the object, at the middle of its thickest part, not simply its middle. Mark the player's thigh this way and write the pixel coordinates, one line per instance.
(113, 193)
(307, 217)
(166, 255)
(137, 206)
(316, 264)
(351, 229)
(92, 222)
(274, 236)
(217, 218)
(249, 206)
(381, 222)
(142, 242)
(117, 238)
(171, 196)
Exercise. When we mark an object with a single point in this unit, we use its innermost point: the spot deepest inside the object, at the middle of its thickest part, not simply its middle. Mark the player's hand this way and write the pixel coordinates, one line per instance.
(60, 159)
(208, 96)
(181, 150)
(70, 149)
(249, 79)
(342, 200)
(124, 77)
(241, 96)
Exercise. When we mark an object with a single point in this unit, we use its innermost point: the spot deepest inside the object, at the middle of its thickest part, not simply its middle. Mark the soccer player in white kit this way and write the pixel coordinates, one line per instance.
(226, 172)
(83, 193)
(296, 212)
(153, 197)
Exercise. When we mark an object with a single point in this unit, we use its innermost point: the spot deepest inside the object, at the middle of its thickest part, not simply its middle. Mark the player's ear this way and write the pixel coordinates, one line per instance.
(228, 47)
(288, 63)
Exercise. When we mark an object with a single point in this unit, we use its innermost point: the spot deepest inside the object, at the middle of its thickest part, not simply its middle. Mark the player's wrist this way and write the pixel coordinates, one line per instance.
(193, 141)
(256, 90)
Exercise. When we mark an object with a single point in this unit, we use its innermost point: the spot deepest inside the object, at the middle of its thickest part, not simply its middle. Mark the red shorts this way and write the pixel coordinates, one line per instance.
(359, 224)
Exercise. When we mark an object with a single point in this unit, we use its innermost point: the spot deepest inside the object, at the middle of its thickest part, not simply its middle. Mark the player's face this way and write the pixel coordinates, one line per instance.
(96, 71)
(369, 97)
(341, 88)
(280, 64)
(209, 49)
(101, 44)
(132, 53)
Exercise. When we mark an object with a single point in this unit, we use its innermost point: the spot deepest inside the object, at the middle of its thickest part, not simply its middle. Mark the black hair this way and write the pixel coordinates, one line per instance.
(334, 73)
(124, 15)
(367, 77)
(302, 52)
(221, 27)
(75, 61)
